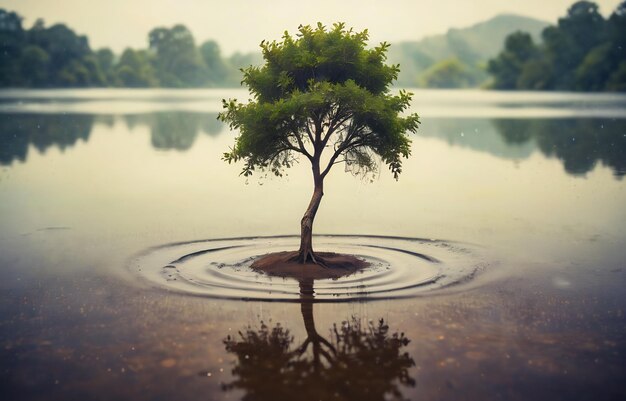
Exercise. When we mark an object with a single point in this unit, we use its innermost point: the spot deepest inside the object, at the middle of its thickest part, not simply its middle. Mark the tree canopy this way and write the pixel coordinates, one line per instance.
(322, 89)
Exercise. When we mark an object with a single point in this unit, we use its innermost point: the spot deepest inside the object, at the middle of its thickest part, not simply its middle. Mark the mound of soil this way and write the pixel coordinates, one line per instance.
(285, 264)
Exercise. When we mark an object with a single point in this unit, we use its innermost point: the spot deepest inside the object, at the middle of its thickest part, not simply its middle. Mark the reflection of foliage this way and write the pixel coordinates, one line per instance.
(176, 130)
(173, 131)
(17, 131)
(579, 143)
(170, 130)
(362, 362)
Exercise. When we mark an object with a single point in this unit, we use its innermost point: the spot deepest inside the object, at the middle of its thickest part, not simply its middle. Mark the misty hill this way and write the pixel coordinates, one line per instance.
(459, 55)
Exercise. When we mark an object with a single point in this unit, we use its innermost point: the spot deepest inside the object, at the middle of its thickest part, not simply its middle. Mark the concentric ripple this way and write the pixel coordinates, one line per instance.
(220, 268)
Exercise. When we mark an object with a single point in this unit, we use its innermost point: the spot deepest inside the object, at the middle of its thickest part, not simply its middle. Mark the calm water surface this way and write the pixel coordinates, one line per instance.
(502, 254)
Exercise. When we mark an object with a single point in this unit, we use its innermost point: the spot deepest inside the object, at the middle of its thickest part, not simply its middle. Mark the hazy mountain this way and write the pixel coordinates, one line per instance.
(472, 46)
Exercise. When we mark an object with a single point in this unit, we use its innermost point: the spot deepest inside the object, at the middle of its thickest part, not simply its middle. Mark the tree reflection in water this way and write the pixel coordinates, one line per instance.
(176, 130)
(579, 143)
(359, 361)
(43, 131)
(168, 130)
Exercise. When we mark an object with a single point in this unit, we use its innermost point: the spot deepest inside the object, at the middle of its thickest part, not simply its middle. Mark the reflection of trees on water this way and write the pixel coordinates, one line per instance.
(358, 361)
(176, 130)
(169, 130)
(18, 131)
(579, 143)
(476, 134)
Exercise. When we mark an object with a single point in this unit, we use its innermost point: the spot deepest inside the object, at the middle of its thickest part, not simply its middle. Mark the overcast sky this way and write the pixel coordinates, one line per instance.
(240, 25)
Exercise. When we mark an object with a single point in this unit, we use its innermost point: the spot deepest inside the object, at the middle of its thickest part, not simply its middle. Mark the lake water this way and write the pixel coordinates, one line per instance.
(502, 249)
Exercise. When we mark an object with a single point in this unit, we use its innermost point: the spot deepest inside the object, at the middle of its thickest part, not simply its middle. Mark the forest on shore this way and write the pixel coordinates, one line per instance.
(584, 52)
(57, 57)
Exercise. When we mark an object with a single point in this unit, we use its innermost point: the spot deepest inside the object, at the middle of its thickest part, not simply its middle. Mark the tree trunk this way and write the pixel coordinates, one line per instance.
(305, 253)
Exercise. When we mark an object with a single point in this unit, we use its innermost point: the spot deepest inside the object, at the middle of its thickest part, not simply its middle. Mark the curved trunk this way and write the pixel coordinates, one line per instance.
(305, 253)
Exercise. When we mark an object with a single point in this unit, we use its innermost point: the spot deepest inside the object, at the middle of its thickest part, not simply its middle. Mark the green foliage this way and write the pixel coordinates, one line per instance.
(106, 60)
(12, 39)
(507, 67)
(450, 73)
(321, 89)
(216, 68)
(582, 52)
(34, 62)
(135, 69)
(177, 60)
(617, 80)
(57, 57)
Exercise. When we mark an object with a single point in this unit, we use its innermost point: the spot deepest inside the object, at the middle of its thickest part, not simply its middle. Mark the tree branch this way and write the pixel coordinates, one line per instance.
(301, 144)
(309, 133)
(333, 127)
(347, 144)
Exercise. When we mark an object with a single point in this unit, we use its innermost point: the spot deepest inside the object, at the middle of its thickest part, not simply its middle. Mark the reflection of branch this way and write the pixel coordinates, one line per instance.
(313, 338)
(361, 362)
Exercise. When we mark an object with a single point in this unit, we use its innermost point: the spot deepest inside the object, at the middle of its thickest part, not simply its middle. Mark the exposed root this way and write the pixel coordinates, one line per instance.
(310, 257)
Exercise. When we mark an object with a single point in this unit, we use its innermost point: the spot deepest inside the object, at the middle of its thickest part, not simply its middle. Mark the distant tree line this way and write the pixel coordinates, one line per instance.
(584, 52)
(55, 56)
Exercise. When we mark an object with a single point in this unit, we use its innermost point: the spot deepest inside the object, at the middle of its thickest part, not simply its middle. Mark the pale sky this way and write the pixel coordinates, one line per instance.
(240, 25)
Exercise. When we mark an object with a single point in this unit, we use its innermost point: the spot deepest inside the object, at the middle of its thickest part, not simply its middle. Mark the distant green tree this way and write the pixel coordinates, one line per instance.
(507, 67)
(217, 71)
(450, 73)
(594, 70)
(617, 54)
(34, 62)
(321, 90)
(567, 44)
(177, 61)
(617, 80)
(135, 70)
(66, 51)
(535, 75)
(106, 62)
(12, 39)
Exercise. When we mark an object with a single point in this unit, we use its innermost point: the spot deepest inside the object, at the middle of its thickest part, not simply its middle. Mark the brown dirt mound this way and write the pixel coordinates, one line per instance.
(284, 264)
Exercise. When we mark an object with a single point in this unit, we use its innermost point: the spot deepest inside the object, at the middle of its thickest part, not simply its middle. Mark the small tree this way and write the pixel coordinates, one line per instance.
(322, 89)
